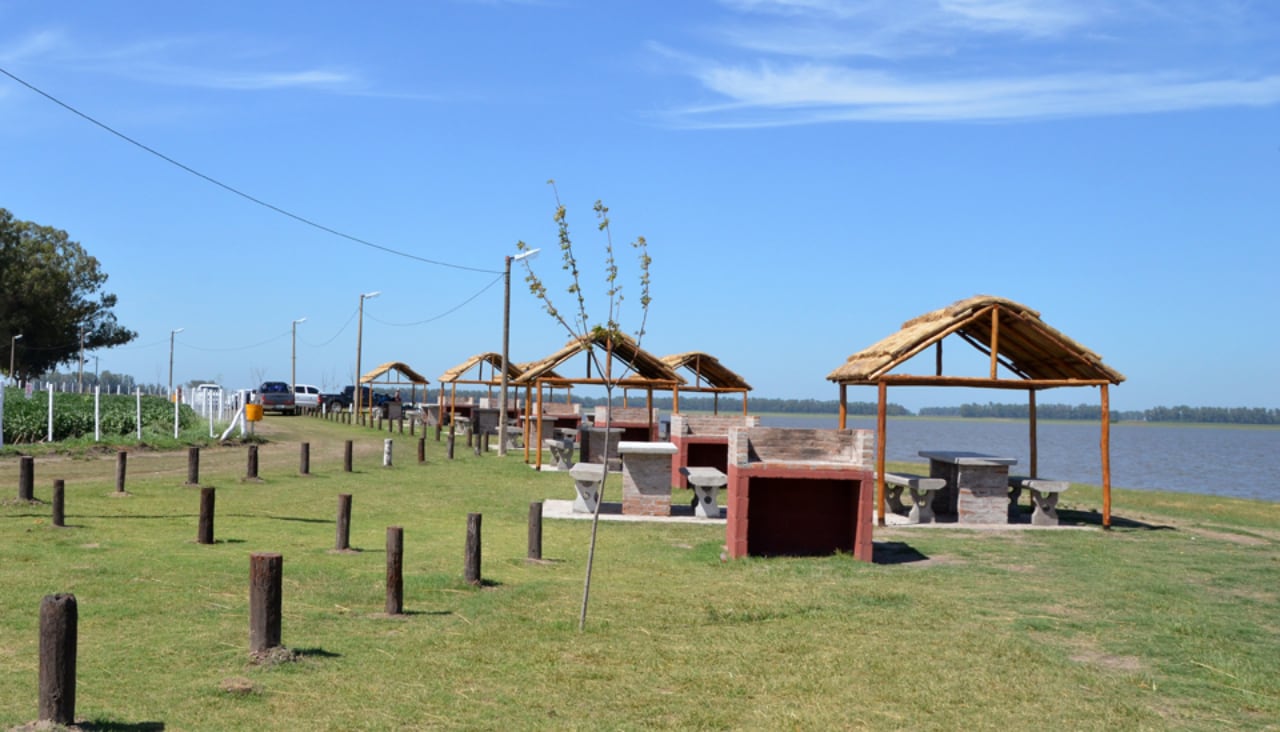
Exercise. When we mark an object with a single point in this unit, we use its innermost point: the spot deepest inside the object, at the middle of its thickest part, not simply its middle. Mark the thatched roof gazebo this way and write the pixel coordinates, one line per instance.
(710, 377)
(411, 377)
(1014, 337)
(647, 372)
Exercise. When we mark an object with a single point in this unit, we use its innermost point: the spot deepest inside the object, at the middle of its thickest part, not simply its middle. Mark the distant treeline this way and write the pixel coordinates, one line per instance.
(1212, 415)
(731, 403)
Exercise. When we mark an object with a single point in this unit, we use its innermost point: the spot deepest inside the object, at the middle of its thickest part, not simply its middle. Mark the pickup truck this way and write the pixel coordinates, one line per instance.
(306, 396)
(276, 396)
(346, 399)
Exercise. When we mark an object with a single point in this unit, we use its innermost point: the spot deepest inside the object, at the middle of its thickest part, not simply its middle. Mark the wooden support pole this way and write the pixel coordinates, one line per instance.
(844, 406)
(1106, 458)
(265, 601)
(471, 571)
(204, 533)
(1031, 413)
(193, 466)
(122, 459)
(59, 503)
(304, 458)
(59, 628)
(535, 530)
(26, 478)
(995, 340)
(938, 359)
(346, 456)
(343, 540)
(251, 468)
(395, 570)
(881, 428)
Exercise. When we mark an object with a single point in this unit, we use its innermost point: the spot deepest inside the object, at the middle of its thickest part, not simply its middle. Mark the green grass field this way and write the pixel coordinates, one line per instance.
(1169, 621)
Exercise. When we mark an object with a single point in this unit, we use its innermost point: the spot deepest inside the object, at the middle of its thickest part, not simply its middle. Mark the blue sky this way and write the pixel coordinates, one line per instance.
(809, 174)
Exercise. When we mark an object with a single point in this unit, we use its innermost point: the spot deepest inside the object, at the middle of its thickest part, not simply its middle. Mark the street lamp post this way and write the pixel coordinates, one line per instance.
(506, 338)
(293, 363)
(172, 333)
(359, 345)
(13, 350)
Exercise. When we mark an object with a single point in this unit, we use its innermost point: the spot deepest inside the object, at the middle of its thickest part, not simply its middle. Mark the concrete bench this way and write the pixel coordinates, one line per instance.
(586, 479)
(515, 437)
(922, 489)
(1044, 497)
(706, 483)
(561, 451)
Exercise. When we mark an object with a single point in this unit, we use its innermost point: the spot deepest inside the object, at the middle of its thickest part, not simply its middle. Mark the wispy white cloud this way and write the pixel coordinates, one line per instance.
(791, 62)
(166, 61)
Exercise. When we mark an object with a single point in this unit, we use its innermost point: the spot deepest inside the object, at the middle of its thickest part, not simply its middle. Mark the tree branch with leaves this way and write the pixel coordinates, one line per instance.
(579, 326)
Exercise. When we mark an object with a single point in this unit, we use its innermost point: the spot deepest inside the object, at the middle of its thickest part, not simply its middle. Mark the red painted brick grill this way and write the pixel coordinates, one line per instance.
(799, 492)
(702, 441)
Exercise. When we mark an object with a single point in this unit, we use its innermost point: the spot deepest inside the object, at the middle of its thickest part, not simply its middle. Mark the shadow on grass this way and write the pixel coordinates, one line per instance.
(895, 552)
(1094, 518)
(98, 726)
(284, 518)
(315, 653)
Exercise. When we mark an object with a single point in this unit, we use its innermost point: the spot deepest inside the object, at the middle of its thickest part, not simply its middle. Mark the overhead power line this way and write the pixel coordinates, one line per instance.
(237, 191)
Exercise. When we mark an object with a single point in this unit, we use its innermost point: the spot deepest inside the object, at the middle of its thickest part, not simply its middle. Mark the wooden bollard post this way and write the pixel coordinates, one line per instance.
(59, 623)
(265, 601)
(346, 457)
(439, 429)
(395, 570)
(422, 450)
(204, 533)
(251, 470)
(193, 466)
(122, 458)
(379, 421)
(448, 450)
(304, 459)
(410, 427)
(27, 478)
(343, 541)
(475, 448)
(471, 434)
(402, 423)
(535, 530)
(472, 560)
(485, 439)
(59, 502)
(386, 453)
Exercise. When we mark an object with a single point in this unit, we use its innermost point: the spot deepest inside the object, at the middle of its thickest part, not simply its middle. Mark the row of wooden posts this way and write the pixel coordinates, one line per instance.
(26, 465)
(59, 614)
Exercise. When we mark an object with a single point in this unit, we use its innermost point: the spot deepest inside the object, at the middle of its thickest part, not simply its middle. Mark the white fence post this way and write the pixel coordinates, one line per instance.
(138, 421)
(50, 412)
(97, 414)
(177, 402)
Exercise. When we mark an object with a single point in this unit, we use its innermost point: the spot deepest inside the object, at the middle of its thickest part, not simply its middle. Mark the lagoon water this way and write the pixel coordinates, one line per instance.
(1227, 461)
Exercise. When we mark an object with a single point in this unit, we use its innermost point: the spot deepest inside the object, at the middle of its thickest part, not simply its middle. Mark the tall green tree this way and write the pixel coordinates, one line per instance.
(51, 291)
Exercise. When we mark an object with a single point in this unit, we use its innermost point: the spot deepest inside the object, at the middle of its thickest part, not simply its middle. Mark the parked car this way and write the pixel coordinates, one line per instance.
(306, 396)
(276, 396)
(345, 400)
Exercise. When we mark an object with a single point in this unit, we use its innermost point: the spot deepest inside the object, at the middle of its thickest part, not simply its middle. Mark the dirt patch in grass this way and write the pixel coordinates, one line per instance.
(1233, 537)
(1096, 657)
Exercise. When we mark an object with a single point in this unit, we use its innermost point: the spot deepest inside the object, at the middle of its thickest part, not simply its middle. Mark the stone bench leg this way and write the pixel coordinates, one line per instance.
(706, 499)
(893, 497)
(1045, 511)
(921, 506)
(562, 453)
(588, 496)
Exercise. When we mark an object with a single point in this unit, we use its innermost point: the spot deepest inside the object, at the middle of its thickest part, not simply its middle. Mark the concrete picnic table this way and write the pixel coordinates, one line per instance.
(977, 489)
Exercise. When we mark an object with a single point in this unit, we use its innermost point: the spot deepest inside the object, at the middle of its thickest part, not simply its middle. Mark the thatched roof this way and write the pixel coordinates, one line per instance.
(494, 360)
(645, 365)
(708, 369)
(1024, 344)
(413, 376)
